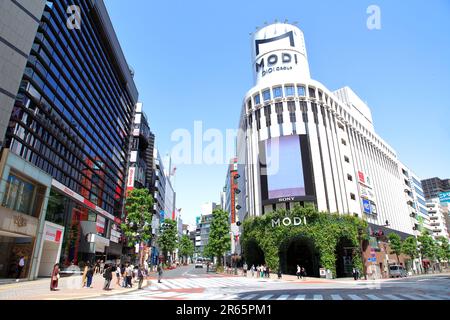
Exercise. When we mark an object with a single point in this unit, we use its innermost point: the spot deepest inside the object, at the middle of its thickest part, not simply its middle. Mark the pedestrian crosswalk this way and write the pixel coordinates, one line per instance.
(173, 295)
(210, 282)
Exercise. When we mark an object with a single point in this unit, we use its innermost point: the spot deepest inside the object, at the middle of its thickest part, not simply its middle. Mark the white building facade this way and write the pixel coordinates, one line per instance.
(300, 142)
(437, 212)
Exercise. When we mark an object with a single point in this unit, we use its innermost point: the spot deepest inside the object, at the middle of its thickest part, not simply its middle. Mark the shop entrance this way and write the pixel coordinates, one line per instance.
(12, 247)
(344, 258)
(302, 252)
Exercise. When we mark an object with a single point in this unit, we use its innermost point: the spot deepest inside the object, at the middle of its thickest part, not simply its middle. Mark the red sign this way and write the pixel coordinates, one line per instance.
(361, 177)
(58, 235)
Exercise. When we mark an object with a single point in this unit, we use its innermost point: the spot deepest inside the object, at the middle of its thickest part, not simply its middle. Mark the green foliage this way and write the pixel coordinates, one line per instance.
(427, 246)
(324, 229)
(219, 241)
(138, 224)
(395, 243)
(442, 249)
(168, 237)
(186, 247)
(409, 247)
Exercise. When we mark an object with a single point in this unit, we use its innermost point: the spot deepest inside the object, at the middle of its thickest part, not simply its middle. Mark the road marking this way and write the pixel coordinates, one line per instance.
(392, 297)
(283, 297)
(249, 297)
(412, 297)
(354, 297)
(183, 284)
(267, 297)
(161, 286)
(373, 297)
(336, 297)
(318, 297)
(300, 297)
(441, 297)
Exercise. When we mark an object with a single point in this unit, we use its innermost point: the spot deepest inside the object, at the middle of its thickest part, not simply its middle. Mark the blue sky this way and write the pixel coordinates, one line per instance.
(193, 62)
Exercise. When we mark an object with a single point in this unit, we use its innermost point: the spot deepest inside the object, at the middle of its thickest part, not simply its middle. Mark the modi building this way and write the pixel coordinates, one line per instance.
(301, 143)
(67, 102)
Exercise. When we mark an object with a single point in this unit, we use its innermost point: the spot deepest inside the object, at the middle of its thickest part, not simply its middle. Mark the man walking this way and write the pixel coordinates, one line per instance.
(20, 267)
(160, 272)
(107, 274)
(141, 274)
(129, 273)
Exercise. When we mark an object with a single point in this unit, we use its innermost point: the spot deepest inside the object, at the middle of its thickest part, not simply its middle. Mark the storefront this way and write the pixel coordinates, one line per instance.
(24, 191)
(51, 246)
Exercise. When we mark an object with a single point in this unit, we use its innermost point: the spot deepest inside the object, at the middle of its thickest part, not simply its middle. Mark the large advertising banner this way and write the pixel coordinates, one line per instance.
(285, 169)
(444, 197)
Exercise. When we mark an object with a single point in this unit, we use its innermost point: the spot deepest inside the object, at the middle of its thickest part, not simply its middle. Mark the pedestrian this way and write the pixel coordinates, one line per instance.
(263, 271)
(118, 273)
(279, 273)
(354, 274)
(253, 270)
(160, 272)
(268, 271)
(83, 279)
(299, 270)
(129, 273)
(20, 267)
(303, 273)
(357, 274)
(140, 276)
(97, 266)
(102, 266)
(55, 278)
(245, 269)
(89, 275)
(107, 274)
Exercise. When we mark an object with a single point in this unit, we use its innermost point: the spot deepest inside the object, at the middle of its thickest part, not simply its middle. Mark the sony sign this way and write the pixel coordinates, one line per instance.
(287, 221)
(278, 49)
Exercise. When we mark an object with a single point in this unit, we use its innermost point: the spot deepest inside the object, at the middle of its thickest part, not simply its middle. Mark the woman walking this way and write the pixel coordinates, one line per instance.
(89, 275)
(299, 271)
(140, 276)
(55, 278)
(118, 273)
(83, 279)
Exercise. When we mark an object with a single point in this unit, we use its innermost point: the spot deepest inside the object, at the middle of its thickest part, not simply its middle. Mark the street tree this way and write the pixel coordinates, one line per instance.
(427, 246)
(442, 249)
(219, 241)
(186, 247)
(138, 222)
(395, 243)
(168, 238)
(409, 248)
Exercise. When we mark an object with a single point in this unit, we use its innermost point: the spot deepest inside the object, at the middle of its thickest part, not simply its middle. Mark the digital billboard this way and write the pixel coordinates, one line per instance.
(285, 169)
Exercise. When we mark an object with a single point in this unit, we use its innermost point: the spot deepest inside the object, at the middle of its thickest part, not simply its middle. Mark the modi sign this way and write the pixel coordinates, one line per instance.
(288, 221)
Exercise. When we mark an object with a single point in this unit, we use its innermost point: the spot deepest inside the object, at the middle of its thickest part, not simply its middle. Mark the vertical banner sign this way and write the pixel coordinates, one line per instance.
(100, 224)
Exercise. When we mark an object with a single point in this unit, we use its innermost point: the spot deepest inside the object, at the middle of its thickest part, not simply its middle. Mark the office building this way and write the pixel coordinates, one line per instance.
(434, 186)
(67, 140)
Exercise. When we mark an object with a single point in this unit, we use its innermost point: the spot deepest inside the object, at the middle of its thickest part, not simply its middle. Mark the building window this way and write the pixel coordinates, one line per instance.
(346, 159)
(19, 195)
(289, 91)
(258, 119)
(267, 112)
(266, 95)
(352, 196)
(349, 177)
(301, 91)
(279, 111)
(277, 92)
(344, 142)
(312, 92)
(291, 109)
(249, 104)
(257, 99)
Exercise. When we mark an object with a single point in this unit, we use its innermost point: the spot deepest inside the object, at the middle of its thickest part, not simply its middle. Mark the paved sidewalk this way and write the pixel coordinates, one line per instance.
(69, 289)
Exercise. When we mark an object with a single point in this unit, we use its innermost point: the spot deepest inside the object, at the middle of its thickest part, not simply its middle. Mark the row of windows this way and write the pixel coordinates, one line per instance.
(277, 92)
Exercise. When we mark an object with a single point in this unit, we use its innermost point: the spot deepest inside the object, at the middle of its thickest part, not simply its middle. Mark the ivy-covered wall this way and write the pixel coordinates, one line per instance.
(322, 228)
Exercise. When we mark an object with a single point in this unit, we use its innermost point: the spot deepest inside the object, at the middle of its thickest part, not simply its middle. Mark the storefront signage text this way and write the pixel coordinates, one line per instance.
(287, 221)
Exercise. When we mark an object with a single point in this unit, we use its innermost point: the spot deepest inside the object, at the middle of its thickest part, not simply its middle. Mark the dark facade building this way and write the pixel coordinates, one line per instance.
(71, 120)
(434, 186)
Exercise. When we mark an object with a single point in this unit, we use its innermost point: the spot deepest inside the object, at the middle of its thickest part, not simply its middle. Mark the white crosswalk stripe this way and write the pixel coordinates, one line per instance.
(318, 297)
(415, 297)
(249, 297)
(392, 297)
(283, 297)
(336, 297)
(206, 282)
(266, 297)
(373, 297)
(355, 297)
(300, 297)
